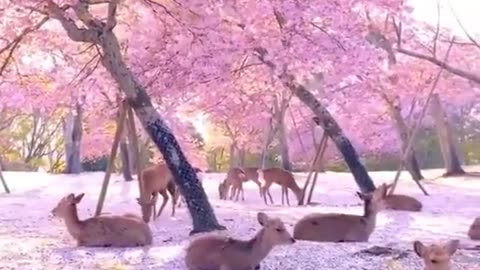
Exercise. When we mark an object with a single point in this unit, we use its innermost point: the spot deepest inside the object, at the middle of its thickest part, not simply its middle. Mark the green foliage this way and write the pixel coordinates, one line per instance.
(96, 164)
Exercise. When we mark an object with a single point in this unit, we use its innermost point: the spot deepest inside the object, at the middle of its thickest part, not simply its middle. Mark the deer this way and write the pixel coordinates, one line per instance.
(402, 202)
(217, 252)
(474, 230)
(436, 256)
(251, 174)
(128, 230)
(156, 179)
(283, 178)
(333, 227)
(234, 183)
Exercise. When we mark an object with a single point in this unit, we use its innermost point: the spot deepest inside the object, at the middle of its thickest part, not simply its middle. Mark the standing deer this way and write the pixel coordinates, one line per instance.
(334, 227)
(156, 179)
(216, 252)
(251, 173)
(102, 231)
(283, 178)
(474, 230)
(436, 257)
(402, 202)
(233, 183)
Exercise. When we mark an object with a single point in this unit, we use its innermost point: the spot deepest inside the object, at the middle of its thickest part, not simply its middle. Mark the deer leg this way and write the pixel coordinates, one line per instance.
(270, 196)
(243, 193)
(286, 195)
(154, 199)
(259, 186)
(265, 191)
(164, 203)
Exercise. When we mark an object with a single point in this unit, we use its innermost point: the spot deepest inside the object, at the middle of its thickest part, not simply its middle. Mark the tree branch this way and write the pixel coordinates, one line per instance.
(74, 33)
(111, 19)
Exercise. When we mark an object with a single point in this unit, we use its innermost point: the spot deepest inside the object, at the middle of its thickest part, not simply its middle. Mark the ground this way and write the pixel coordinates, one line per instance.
(30, 238)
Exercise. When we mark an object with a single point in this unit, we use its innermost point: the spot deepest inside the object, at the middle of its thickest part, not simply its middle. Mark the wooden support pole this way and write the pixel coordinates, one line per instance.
(321, 148)
(312, 170)
(113, 153)
(2, 178)
(132, 131)
(416, 128)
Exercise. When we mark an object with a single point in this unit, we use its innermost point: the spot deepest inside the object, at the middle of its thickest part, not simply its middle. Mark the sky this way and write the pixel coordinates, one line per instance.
(466, 10)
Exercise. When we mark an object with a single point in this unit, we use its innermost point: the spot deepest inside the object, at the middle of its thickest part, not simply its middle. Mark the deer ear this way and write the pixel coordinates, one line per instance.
(361, 195)
(71, 197)
(419, 248)
(452, 246)
(262, 218)
(78, 198)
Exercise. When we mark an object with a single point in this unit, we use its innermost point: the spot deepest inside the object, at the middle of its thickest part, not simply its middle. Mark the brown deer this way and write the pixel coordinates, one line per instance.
(251, 174)
(435, 256)
(222, 189)
(234, 183)
(105, 230)
(402, 202)
(216, 252)
(156, 179)
(283, 178)
(474, 230)
(334, 227)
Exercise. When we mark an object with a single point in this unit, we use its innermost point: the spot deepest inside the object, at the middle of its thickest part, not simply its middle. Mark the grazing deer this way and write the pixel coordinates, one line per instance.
(234, 183)
(156, 179)
(342, 227)
(216, 252)
(436, 257)
(105, 230)
(402, 202)
(474, 230)
(283, 178)
(251, 173)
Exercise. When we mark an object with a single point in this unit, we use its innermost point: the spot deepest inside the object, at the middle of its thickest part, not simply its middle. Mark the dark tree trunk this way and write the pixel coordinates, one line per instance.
(73, 131)
(411, 163)
(101, 33)
(446, 139)
(282, 134)
(333, 130)
(232, 154)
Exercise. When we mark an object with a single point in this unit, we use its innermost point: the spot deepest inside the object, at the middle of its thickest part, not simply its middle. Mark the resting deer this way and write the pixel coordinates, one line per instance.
(102, 231)
(474, 230)
(156, 179)
(215, 252)
(402, 202)
(342, 227)
(436, 257)
(283, 178)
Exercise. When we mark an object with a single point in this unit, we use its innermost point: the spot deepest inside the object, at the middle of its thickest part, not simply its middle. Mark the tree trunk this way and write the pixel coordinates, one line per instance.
(203, 217)
(411, 163)
(232, 162)
(333, 130)
(241, 157)
(445, 138)
(269, 136)
(72, 133)
(125, 155)
(282, 134)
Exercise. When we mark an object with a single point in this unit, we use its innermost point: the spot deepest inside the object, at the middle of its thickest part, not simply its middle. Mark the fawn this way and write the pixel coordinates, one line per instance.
(402, 202)
(474, 230)
(436, 257)
(283, 178)
(105, 230)
(216, 252)
(156, 179)
(334, 227)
